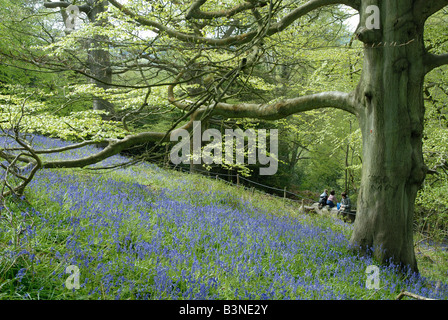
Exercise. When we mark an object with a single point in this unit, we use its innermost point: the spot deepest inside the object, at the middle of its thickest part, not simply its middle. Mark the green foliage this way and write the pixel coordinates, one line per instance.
(432, 201)
(34, 115)
(19, 30)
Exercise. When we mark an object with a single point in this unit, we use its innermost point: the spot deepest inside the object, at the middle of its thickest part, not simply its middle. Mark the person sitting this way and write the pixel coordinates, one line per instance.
(331, 199)
(345, 205)
(323, 199)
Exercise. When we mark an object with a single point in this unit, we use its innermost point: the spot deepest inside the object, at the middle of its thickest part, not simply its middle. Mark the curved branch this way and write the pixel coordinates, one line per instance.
(66, 148)
(305, 9)
(424, 8)
(432, 61)
(61, 4)
(116, 146)
(113, 148)
(240, 39)
(281, 109)
(196, 13)
(180, 35)
(272, 111)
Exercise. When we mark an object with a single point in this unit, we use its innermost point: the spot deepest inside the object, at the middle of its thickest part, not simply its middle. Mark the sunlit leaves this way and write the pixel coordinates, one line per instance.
(35, 116)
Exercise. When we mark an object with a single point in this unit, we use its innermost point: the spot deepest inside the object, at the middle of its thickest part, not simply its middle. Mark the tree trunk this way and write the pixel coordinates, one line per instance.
(196, 147)
(391, 119)
(97, 49)
(99, 58)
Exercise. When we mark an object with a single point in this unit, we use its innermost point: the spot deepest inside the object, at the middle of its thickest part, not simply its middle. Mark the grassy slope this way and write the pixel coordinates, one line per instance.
(147, 233)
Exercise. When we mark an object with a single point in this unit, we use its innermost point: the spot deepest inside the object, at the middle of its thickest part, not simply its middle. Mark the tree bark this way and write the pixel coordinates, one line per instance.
(99, 58)
(391, 116)
(196, 148)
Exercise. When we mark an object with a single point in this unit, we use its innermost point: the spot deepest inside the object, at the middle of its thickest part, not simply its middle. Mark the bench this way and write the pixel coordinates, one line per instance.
(327, 211)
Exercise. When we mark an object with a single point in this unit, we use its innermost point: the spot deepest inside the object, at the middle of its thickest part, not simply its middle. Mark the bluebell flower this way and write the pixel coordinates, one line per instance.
(20, 274)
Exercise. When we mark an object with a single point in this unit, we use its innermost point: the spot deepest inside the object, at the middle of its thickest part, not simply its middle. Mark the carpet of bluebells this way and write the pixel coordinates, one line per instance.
(133, 240)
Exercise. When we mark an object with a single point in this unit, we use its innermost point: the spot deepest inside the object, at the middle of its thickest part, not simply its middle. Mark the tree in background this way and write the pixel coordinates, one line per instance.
(432, 203)
(97, 46)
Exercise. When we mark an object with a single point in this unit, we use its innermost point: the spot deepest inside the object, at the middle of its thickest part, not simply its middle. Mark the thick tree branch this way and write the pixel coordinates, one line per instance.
(240, 39)
(114, 147)
(244, 38)
(281, 109)
(66, 148)
(61, 4)
(433, 61)
(272, 111)
(278, 110)
(305, 9)
(424, 8)
(196, 13)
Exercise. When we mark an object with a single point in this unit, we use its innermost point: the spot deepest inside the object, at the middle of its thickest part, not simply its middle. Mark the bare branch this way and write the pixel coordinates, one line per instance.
(12, 168)
(127, 115)
(278, 110)
(412, 295)
(66, 148)
(9, 157)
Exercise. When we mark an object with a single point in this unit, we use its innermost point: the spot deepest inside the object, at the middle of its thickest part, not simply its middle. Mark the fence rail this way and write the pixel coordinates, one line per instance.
(217, 175)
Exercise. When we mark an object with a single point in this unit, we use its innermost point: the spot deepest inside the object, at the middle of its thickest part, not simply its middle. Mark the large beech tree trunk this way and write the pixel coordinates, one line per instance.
(391, 116)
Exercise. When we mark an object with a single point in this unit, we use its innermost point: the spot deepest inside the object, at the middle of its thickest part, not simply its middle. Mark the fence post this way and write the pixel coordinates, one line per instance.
(237, 180)
(284, 193)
